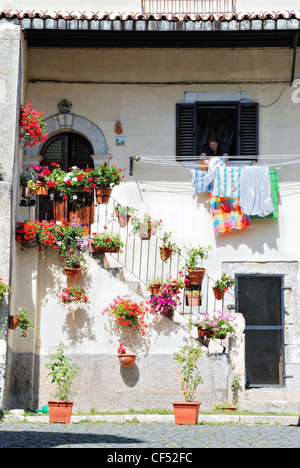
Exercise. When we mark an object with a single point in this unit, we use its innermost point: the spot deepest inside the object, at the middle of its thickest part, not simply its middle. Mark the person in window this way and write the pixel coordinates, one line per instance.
(213, 148)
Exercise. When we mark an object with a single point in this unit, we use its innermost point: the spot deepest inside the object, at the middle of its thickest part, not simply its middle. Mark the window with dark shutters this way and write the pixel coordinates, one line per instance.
(194, 122)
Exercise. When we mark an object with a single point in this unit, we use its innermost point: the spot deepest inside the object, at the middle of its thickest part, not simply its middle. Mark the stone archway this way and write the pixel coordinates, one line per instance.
(72, 123)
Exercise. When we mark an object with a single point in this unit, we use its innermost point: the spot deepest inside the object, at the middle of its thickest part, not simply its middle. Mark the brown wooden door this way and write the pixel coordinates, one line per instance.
(67, 149)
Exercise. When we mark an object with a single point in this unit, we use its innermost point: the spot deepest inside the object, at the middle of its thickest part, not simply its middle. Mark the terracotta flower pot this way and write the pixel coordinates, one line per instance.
(193, 299)
(103, 195)
(127, 360)
(165, 253)
(102, 249)
(26, 192)
(13, 322)
(73, 273)
(205, 334)
(41, 188)
(123, 220)
(196, 276)
(218, 293)
(155, 288)
(60, 411)
(186, 412)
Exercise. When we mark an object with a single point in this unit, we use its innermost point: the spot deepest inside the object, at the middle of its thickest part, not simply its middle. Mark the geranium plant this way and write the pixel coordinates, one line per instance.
(106, 177)
(146, 227)
(125, 311)
(28, 231)
(33, 127)
(121, 348)
(4, 290)
(225, 282)
(72, 295)
(107, 240)
(73, 258)
(219, 323)
(70, 183)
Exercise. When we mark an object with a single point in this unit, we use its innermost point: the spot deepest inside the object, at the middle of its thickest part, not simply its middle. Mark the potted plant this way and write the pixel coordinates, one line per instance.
(222, 285)
(187, 412)
(126, 360)
(193, 297)
(168, 248)
(194, 266)
(167, 298)
(4, 290)
(33, 129)
(62, 373)
(105, 179)
(125, 311)
(27, 233)
(23, 321)
(106, 242)
(215, 326)
(72, 295)
(75, 263)
(38, 181)
(72, 183)
(155, 285)
(123, 214)
(145, 227)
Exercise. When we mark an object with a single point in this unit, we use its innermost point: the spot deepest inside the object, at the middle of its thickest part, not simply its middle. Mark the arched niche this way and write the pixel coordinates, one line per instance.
(72, 123)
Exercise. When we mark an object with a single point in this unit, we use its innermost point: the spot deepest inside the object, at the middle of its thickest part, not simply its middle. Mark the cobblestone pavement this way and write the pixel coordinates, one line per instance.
(127, 436)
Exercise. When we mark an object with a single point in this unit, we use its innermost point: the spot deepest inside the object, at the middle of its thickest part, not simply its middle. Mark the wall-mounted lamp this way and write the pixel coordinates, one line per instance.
(131, 160)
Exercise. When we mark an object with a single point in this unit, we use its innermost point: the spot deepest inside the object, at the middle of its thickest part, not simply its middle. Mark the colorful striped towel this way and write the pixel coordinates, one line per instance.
(227, 215)
(198, 181)
(227, 182)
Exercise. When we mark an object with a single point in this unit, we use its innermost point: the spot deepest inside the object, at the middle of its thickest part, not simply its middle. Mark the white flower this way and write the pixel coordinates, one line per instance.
(74, 179)
(66, 178)
(75, 197)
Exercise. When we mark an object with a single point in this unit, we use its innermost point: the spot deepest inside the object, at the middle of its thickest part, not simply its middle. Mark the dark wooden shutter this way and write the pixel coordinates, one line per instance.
(185, 131)
(249, 130)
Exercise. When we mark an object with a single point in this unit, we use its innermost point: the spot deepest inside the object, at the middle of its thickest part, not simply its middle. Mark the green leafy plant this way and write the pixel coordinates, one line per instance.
(225, 282)
(106, 177)
(62, 372)
(109, 240)
(25, 322)
(73, 258)
(4, 290)
(167, 244)
(196, 256)
(189, 377)
(235, 383)
(121, 210)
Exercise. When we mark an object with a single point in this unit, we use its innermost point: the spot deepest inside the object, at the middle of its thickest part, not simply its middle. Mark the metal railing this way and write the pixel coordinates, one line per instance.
(141, 259)
(188, 6)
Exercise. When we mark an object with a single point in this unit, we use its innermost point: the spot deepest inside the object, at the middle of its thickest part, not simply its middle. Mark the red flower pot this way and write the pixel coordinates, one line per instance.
(218, 293)
(186, 412)
(205, 334)
(13, 322)
(155, 288)
(41, 188)
(60, 411)
(73, 273)
(165, 253)
(103, 195)
(123, 220)
(196, 276)
(127, 360)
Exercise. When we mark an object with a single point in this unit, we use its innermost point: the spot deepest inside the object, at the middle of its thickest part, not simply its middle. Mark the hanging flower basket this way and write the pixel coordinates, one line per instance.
(13, 322)
(41, 189)
(106, 242)
(32, 127)
(193, 298)
(218, 293)
(73, 273)
(127, 360)
(103, 194)
(123, 220)
(196, 276)
(165, 253)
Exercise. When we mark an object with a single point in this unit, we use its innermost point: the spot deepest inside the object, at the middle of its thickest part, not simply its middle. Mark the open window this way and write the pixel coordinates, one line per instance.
(234, 123)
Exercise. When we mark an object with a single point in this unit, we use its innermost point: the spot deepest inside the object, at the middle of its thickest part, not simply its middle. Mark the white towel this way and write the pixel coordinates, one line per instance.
(255, 197)
(211, 173)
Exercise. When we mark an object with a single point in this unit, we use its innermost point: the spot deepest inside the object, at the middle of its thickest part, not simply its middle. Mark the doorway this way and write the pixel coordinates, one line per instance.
(260, 300)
